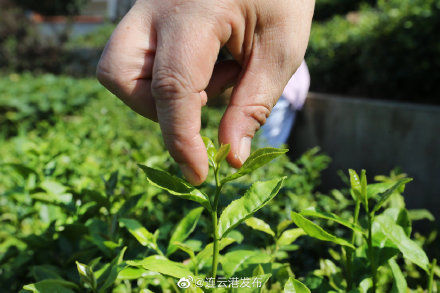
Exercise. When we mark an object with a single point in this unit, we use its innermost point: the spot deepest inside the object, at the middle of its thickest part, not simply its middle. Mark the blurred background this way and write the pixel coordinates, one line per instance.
(373, 104)
(374, 67)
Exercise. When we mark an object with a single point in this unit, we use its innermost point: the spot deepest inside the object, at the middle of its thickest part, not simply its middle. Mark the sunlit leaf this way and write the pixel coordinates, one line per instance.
(175, 186)
(52, 285)
(258, 195)
(161, 264)
(86, 274)
(312, 212)
(283, 225)
(258, 271)
(185, 227)
(139, 232)
(235, 261)
(383, 197)
(205, 255)
(184, 247)
(294, 286)
(410, 250)
(210, 149)
(317, 232)
(289, 236)
(260, 225)
(355, 183)
(421, 214)
(134, 273)
(222, 153)
(257, 159)
(399, 282)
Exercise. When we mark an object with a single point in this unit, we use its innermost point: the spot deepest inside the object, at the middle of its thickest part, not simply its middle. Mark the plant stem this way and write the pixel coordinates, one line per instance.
(431, 276)
(349, 255)
(370, 250)
(214, 216)
(215, 246)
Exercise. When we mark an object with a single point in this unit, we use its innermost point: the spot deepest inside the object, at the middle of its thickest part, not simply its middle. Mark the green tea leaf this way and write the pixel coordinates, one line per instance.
(401, 218)
(43, 272)
(355, 183)
(258, 271)
(205, 255)
(259, 225)
(364, 185)
(108, 276)
(317, 232)
(375, 188)
(258, 195)
(410, 250)
(294, 286)
(184, 228)
(289, 236)
(23, 170)
(234, 261)
(86, 274)
(312, 212)
(139, 232)
(161, 264)
(52, 285)
(222, 153)
(110, 184)
(132, 273)
(416, 215)
(383, 197)
(210, 149)
(184, 247)
(399, 282)
(283, 225)
(175, 186)
(354, 180)
(257, 159)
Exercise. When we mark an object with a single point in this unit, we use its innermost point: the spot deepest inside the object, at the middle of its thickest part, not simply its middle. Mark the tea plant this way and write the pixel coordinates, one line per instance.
(64, 229)
(376, 240)
(240, 210)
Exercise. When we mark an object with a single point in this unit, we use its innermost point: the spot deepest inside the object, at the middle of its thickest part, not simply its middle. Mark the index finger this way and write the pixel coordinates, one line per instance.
(184, 61)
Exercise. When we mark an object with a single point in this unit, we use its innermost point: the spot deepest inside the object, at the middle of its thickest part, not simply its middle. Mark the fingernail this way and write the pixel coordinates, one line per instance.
(190, 175)
(244, 148)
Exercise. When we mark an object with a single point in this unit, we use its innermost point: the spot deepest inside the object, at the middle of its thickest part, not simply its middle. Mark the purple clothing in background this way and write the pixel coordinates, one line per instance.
(279, 124)
(298, 86)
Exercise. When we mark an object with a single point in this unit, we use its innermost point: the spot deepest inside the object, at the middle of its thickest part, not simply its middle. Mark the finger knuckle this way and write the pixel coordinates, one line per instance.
(167, 83)
(106, 76)
(257, 113)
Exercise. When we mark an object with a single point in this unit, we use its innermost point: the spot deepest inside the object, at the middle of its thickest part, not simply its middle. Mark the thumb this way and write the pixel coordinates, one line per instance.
(262, 82)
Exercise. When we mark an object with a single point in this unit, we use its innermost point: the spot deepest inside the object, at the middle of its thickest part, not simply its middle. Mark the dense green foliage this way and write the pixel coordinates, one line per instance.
(325, 9)
(21, 46)
(77, 213)
(94, 39)
(378, 48)
(25, 100)
(389, 51)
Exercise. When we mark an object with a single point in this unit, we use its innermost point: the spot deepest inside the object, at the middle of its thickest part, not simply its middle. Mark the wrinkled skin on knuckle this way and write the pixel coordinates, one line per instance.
(168, 84)
(259, 113)
(103, 73)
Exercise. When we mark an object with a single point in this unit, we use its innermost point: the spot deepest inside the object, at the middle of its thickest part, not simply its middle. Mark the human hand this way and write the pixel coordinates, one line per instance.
(161, 61)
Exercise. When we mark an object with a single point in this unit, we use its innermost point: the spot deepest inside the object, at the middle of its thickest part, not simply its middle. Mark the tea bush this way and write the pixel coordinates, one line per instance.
(77, 214)
(21, 46)
(325, 9)
(387, 51)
